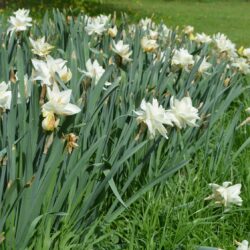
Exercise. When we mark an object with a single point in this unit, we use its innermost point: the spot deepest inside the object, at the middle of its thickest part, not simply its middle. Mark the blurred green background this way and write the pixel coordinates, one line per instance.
(227, 16)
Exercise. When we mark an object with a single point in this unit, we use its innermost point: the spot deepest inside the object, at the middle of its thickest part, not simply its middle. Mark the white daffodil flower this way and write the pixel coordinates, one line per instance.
(59, 102)
(122, 50)
(183, 59)
(5, 96)
(20, 22)
(45, 71)
(242, 65)
(188, 30)
(164, 32)
(204, 66)
(149, 45)
(226, 194)
(224, 45)
(246, 53)
(155, 117)
(94, 70)
(97, 24)
(153, 34)
(203, 38)
(183, 113)
(244, 245)
(113, 31)
(40, 47)
(147, 23)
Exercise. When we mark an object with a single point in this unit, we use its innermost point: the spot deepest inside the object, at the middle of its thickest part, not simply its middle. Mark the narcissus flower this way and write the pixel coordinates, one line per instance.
(202, 38)
(45, 71)
(226, 194)
(113, 31)
(183, 59)
(244, 245)
(183, 113)
(147, 23)
(155, 117)
(94, 71)
(188, 30)
(20, 22)
(204, 66)
(5, 96)
(59, 102)
(49, 123)
(97, 24)
(149, 45)
(246, 53)
(224, 45)
(40, 47)
(122, 50)
(242, 65)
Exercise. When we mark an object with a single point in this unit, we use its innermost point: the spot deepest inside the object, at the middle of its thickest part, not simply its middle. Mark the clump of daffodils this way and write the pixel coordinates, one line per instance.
(226, 195)
(122, 50)
(181, 114)
(40, 47)
(20, 22)
(182, 59)
(45, 71)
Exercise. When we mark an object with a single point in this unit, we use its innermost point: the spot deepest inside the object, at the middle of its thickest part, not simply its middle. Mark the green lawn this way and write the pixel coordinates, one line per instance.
(230, 17)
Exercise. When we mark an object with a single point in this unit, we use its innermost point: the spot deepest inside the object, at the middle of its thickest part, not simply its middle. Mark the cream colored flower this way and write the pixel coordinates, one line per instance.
(224, 45)
(246, 53)
(183, 59)
(40, 47)
(153, 34)
(204, 65)
(113, 31)
(155, 117)
(122, 50)
(59, 102)
(242, 65)
(244, 245)
(149, 45)
(203, 38)
(20, 22)
(147, 23)
(5, 96)
(97, 24)
(183, 113)
(49, 123)
(188, 30)
(94, 70)
(46, 71)
(226, 194)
